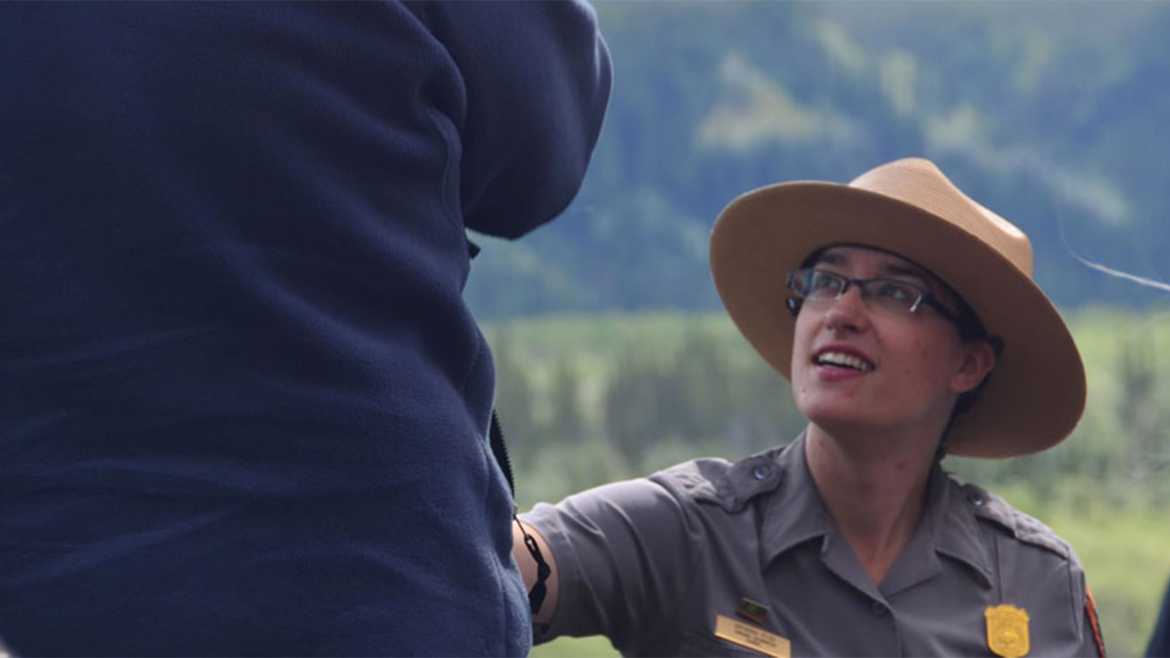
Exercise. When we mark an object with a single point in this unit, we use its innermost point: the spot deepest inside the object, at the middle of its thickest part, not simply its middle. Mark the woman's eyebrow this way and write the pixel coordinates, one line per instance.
(830, 258)
(898, 269)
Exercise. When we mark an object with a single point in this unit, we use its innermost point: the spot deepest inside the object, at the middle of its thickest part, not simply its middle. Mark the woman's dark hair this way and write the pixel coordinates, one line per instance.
(971, 329)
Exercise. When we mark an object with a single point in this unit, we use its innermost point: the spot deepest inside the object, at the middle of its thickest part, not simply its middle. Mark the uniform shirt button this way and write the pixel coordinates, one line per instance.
(760, 472)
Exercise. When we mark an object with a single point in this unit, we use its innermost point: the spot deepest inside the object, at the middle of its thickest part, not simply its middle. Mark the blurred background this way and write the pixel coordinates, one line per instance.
(614, 358)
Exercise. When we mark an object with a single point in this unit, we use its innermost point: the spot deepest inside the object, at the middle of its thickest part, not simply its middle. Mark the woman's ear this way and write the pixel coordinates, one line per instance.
(978, 359)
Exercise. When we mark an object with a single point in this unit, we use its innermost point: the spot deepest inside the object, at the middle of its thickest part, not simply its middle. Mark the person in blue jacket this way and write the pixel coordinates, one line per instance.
(1160, 639)
(244, 406)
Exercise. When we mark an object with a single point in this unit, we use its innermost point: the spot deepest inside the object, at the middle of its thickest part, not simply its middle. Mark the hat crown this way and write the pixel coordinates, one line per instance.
(920, 183)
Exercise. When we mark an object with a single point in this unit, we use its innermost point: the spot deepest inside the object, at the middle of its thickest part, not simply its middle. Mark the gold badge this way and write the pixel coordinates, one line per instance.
(752, 637)
(1007, 630)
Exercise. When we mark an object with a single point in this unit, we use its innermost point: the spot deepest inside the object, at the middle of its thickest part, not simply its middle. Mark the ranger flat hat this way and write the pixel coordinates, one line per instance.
(1036, 392)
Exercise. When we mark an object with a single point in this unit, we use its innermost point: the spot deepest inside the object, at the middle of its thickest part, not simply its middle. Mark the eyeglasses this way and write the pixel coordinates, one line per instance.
(821, 286)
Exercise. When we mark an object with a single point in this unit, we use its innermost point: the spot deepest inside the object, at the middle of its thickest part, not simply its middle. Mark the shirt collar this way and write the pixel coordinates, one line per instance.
(795, 514)
(957, 533)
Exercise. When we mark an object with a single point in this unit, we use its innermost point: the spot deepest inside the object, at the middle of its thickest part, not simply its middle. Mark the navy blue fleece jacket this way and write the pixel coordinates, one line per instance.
(243, 405)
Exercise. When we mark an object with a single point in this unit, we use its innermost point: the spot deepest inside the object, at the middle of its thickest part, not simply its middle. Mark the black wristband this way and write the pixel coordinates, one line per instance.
(543, 571)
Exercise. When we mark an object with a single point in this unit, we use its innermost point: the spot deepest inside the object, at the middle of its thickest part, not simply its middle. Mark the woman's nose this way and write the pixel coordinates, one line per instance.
(848, 311)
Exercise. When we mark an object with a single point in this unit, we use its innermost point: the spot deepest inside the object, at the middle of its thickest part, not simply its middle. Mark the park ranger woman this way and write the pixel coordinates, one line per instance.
(905, 316)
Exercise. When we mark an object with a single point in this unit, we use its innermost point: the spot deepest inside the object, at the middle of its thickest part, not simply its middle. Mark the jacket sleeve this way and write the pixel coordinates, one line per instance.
(1160, 639)
(537, 80)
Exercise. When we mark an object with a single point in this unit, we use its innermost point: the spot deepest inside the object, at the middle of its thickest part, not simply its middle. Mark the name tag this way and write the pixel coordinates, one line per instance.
(751, 637)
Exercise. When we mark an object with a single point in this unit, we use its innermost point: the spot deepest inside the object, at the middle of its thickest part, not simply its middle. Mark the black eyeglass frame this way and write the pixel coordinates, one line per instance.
(924, 296)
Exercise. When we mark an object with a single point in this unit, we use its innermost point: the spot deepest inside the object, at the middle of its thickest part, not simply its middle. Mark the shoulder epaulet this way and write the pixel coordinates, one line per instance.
(727, 484)
(1021, 526)
(693, 478)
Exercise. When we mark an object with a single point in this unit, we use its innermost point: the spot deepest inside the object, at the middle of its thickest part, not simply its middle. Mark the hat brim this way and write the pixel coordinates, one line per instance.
(1036, 393)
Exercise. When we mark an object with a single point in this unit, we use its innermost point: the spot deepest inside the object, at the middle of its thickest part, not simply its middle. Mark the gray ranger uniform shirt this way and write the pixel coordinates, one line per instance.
(650, 563)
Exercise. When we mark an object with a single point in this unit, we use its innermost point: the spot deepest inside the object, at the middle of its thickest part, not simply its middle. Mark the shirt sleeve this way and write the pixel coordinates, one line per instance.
(623, 553)
(537, 79)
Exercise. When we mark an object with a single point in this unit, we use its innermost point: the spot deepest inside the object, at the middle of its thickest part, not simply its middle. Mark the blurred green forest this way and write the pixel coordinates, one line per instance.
(1050, 113)
(613, 356)
(592, 399)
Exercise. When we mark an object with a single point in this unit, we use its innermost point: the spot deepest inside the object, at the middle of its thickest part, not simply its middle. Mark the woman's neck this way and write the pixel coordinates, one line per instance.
(874, 487)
